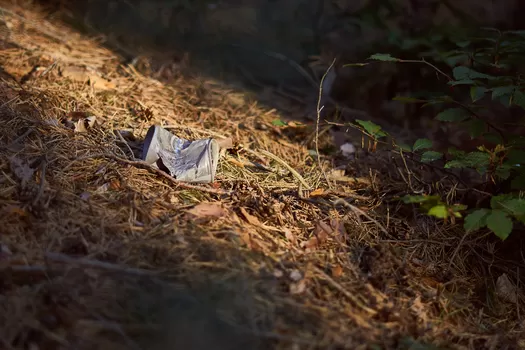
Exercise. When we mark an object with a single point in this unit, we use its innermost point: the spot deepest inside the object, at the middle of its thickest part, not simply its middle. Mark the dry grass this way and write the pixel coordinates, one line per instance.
(100, 252)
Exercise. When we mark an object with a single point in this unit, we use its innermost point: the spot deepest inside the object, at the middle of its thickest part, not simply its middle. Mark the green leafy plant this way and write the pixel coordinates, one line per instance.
(483, 70)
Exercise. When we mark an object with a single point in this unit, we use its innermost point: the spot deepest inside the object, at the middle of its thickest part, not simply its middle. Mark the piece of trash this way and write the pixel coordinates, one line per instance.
(188, 161)
(347, 149)
(83, 125)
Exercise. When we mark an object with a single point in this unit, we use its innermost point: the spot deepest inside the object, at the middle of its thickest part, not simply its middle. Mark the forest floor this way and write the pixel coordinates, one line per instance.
(100, 251)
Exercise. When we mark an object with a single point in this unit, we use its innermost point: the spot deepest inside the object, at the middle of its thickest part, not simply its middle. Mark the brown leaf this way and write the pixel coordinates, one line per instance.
(236, 162)
(337, 271)
(207, 209)
(289, 235)
(317, 192)
(83, 75)
(226, 143)
(506, 289)
(115, 184)
(298, 287)
(322, 231)
(21, 169)
(253, 220)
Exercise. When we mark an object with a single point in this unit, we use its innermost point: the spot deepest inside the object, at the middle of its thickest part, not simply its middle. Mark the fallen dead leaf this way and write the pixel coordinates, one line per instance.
(226, 143)
(317, 192)
(323, 231)
(16, 210)
(207, 209)
(296, 275)
(22, 170)
(506, 289)
(298, 287)
(289, 235)
(337, 271)
(253, 220)
(418, 308)
(81, 74)
(236, 162)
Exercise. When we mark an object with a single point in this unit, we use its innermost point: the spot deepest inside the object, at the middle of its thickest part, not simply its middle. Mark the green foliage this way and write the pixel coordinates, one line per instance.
(434, 206)
(372, 129)
(499, 218)
(278, 122)
(383, 57)
(484, 67)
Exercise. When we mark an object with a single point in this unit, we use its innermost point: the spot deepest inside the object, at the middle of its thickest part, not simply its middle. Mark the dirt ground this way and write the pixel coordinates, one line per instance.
(100, 251)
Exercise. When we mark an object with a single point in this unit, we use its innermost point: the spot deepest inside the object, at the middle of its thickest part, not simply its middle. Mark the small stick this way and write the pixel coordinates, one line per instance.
(97, 264)
(42, 182)
(317, 120)
(356, 210)
(346, 293)
(283, 163)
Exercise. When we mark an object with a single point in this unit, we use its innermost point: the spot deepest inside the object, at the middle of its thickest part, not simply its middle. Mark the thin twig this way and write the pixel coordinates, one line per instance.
(451, 261)
(125, 142)
(283, 163)
(360, 212)
(57, 257)
(317, 120)
(343, 291)
(42, 181)
(430, 65)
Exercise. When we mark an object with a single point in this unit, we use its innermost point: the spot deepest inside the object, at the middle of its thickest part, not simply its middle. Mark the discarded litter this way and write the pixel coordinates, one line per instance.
(187, 161)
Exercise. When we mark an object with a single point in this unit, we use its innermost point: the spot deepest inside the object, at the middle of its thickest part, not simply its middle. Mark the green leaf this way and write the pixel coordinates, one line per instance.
(355, 64)
(497, 202)
(476, 128)
(499, 222)
(371, 128)
(470, 160)
(457, 208)
(461, 82)
(421, 198)
(519, 99)
(503, 171)
(383, 57)
(464, 43)
(518, 183)
(501, 91)
(515, 206)
(476, 220)
(422, 144)
(493, 137)
(439, 211)
(477, 92)
(453, 115)
(278, 122)
(463, 73)
(404, 147)
(430, 156)
(407, 99)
